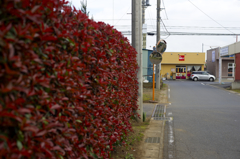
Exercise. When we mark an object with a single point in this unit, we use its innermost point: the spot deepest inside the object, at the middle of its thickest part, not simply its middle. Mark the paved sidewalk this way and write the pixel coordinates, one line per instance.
(154, 135)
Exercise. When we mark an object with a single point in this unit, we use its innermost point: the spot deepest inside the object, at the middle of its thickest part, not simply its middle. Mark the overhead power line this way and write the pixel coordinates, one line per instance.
(164, 33)
(210, 17)
(165, 9)
(165, 29)
(186, 27)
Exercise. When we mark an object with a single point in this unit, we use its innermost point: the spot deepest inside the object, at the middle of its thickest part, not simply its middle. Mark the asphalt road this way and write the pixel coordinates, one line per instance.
(206, 121)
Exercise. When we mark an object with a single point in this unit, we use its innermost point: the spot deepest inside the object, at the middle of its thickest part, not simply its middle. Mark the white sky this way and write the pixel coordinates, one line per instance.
(177, 13)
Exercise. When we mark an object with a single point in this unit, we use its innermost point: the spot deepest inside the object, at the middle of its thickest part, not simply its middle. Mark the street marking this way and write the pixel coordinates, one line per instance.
(168, 93)
(170, 113)
(202, 83)
(171, 139)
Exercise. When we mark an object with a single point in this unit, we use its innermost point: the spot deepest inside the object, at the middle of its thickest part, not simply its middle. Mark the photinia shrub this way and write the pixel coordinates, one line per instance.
(68, 85)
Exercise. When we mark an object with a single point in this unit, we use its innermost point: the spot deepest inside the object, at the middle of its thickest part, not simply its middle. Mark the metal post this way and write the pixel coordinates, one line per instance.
(137, 44)
(144, 35)
(158, 38)
(220, 68)
(153, 83)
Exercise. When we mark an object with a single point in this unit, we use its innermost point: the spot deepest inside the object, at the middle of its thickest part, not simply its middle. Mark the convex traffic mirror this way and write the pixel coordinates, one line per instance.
(155, 57)
(161, 46)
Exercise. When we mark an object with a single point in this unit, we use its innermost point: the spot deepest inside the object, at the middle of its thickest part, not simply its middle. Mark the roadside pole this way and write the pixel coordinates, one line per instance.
(153, 83)
(220, 68)
(137, 44)
(155, 58)
(158, 66)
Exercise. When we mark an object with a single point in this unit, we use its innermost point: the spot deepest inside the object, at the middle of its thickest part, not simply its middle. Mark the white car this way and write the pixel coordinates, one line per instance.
(202, 75)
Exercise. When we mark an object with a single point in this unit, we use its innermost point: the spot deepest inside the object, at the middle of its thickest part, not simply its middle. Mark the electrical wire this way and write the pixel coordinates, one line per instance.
(122, 16)
(183, 33)
(210, 17)
(187, 27)
(165, 28)
(165, 9)
(151, 19)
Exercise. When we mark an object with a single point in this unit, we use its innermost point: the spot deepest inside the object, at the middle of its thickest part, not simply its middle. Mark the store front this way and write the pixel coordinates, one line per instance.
(181, 64)
(184, 72)
(180, 72)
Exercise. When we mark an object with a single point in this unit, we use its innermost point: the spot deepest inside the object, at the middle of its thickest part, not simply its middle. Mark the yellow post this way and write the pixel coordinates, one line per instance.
(153, 83)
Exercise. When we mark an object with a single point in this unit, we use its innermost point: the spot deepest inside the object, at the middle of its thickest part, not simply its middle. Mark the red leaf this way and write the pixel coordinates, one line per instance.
(31, 128)
(35, 8)
(65, 98)
(24, 110)
(59, 149)
(56, 106)
(49, 38)
(11, 50)
(10, 115)
(41, 133)
(8, 71)
(7, 28)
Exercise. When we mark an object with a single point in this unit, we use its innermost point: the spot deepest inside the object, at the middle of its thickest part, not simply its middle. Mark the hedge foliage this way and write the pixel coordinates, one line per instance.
(68, 85)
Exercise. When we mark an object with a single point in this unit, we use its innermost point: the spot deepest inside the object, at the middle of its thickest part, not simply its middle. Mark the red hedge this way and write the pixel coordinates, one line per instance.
(68, 84)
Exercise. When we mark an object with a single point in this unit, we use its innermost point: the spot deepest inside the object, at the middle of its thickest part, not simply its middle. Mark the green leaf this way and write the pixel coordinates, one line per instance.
(68, 64)
(94, 155)
(66, 73)
(47, 89)
(19, 145)
(68, 125)
(45, 122)
(96, 80)
(28, 116)
(20, 136)
(79, 121)
(61, 157)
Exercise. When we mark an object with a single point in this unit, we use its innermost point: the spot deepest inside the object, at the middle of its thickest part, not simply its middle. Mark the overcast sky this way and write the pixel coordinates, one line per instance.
(198, 16)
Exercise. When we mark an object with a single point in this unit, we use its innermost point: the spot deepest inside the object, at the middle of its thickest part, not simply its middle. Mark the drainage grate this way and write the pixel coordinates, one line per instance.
(159, 113)
(161, 118)
(152, 140)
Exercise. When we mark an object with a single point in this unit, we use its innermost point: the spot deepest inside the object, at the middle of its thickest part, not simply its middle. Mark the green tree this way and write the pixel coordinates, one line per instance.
(84, 7)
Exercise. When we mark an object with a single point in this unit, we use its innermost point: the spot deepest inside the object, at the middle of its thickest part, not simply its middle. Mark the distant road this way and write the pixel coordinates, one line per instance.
(206, 121)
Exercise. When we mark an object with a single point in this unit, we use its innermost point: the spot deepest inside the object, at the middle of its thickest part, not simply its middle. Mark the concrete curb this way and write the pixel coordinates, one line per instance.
(155, 130)
(215, 86)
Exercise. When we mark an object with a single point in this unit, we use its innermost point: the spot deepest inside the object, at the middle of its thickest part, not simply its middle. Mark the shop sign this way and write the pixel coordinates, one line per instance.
(224, 51)
(181, 57)
(213, 56)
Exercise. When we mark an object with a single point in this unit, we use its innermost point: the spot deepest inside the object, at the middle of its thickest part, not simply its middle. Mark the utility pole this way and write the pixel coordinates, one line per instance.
(158, 66)
(143, 22)
(137, 44)
(145, 4)
(220, 68)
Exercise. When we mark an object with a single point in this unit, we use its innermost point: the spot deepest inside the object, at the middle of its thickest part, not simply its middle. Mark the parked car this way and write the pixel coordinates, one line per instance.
(202, 75)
